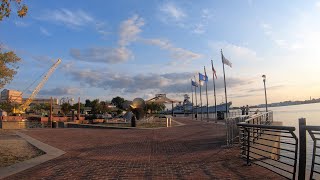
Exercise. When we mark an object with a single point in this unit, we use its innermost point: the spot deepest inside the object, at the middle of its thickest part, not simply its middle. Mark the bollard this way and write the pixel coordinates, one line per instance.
(302, 148)
(167, 122)
(170, 122)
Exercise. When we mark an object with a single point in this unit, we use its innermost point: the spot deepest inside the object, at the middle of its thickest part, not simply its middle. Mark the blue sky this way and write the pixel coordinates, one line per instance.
(140, 48)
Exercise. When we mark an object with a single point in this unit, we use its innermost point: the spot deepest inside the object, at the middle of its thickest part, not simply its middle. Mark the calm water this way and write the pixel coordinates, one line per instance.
(289, 115)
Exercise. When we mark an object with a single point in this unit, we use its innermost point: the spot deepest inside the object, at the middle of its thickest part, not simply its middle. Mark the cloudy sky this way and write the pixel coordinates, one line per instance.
(139, 48)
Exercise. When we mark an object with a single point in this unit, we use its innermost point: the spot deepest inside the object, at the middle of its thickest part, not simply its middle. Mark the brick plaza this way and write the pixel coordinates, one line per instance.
(192, 151)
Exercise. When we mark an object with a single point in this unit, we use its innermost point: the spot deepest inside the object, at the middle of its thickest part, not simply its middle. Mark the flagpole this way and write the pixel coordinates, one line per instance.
(192, 99)
(195, 94)
(225, 86)
(205, 73)
(214, 91)
(200, 98)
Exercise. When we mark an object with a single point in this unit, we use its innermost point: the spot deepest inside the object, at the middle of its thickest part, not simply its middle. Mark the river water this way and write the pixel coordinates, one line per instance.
(289, 115)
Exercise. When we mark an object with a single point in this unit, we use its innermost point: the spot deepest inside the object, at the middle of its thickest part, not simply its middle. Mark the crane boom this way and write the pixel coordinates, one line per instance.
(25, 105)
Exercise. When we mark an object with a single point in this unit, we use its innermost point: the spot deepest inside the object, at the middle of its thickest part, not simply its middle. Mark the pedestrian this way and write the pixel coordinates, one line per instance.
(243, 110)
(247, 110)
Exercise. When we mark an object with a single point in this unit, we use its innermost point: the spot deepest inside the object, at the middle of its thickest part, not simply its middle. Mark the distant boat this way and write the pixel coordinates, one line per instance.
(220, 107)
(186, 107)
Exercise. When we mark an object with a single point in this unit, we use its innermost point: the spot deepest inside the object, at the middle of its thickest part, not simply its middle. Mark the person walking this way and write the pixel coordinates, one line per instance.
(247, 110)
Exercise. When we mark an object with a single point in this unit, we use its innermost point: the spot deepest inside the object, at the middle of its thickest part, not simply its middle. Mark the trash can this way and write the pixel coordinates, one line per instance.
(220, 115)
(54, 124)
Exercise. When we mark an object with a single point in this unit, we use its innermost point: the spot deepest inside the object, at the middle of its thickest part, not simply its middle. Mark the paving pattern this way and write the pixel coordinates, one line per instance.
(192, 151)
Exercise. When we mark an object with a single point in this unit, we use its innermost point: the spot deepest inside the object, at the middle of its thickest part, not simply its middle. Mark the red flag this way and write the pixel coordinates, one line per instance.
(213, 70)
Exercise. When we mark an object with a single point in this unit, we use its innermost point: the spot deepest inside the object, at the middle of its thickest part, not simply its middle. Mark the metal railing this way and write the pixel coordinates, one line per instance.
(276, 148)
(261, 144)
(314, 132)
(233, 132)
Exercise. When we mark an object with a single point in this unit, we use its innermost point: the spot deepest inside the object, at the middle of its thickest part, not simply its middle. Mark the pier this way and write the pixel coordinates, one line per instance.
(195, 150)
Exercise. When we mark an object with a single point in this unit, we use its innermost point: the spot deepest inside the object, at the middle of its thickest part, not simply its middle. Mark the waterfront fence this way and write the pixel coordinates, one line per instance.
(261, 144)
(279, 149)
(233, 131)
(314, 132)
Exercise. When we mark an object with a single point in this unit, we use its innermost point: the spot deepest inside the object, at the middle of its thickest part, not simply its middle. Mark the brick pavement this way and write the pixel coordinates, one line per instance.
(192, 151)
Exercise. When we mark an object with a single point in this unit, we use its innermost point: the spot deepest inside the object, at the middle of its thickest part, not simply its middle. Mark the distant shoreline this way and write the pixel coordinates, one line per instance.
(279, 105)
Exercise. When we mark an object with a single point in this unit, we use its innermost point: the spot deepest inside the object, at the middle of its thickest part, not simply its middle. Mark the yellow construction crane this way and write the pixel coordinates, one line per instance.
(22, 108)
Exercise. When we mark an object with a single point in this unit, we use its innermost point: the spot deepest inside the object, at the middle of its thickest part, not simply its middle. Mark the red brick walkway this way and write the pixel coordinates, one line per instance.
(192, 151)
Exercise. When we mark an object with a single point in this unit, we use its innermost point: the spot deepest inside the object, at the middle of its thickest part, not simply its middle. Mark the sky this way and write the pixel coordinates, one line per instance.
(141, 48)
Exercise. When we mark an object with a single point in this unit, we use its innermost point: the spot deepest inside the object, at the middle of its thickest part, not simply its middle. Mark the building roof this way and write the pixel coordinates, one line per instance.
(161, 98)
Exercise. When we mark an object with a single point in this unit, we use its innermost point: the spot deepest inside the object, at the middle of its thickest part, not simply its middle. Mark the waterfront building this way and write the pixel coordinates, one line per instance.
(11, 96)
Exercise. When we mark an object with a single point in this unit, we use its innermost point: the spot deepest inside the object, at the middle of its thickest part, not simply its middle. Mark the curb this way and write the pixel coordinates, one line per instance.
(51, 153)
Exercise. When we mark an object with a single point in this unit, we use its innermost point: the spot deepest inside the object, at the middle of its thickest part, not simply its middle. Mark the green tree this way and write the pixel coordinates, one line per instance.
(88, 103)
(75, 107)
(6, 106)
(8, 67)
(155, 107)
(118, 101)
(6, 7)
(65, 108)
(104, 107)
(96, 107)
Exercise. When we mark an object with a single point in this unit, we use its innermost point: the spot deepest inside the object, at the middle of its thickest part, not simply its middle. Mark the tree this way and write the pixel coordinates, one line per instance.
(5, 8)
(118, 101)
(104, 107)
(96, 107)
(6, 106)
(40, 108)
(8, 67)
(88, 103)
(75, 106)
(65, 108)
(156, 107)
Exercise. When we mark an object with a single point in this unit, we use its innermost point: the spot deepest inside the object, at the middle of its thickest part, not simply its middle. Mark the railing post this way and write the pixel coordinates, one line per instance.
(302, 148)
(248, 146)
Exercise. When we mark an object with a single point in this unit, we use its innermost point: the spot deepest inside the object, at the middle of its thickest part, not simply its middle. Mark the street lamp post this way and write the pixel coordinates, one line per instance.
(265, 91)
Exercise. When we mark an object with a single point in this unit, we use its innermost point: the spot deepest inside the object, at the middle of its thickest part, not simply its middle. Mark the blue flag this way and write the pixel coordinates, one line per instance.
(193, 83)
(203, 77)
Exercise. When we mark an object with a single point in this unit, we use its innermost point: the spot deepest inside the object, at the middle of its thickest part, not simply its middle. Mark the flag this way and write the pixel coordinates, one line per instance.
(226, 61)
(203, 77)
(193, 83)
(214, 71)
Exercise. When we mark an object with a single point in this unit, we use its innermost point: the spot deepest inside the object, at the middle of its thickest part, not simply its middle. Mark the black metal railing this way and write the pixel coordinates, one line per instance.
(314, 132)
(261, 144)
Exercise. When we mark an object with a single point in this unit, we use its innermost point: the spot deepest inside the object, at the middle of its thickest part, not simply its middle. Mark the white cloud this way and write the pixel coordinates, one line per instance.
(129, 30)
(200, 27)
(67, 17)
(44, 31)
(317, 4)
(102, 54)
(59, 91)
(21, 24)
(143, 83)
(233, 51)
(267, 28)
(101, 29)
(175, 52)
(172, 11)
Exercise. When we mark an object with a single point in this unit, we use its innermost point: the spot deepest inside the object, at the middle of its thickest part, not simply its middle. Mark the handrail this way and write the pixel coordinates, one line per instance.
(255, 147)
(288, 128)
(231, 124)
(310, 130)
